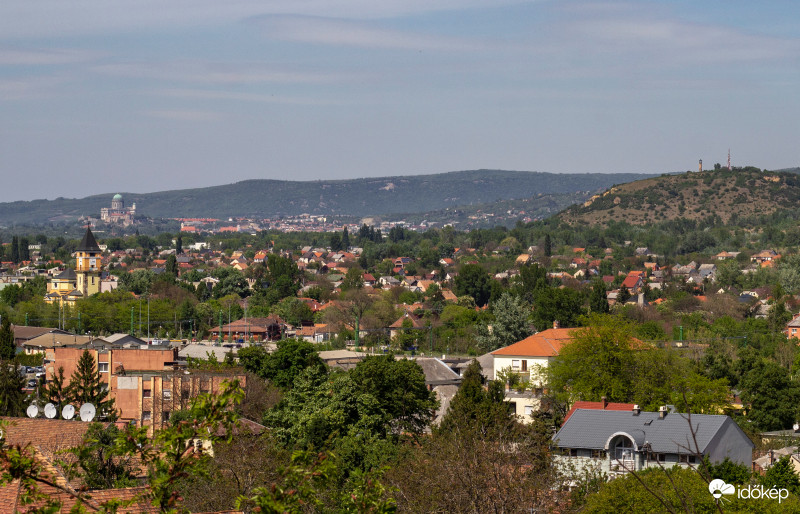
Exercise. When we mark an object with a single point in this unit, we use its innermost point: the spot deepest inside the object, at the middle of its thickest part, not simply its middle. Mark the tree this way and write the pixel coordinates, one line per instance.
(179, 246)
(290, 358)
(509, 326)
(7, 347)
(548, 246)
(294, 311)
(99, 463)
(15, 249)
(354, 279)
(472, 280)
(399, 386)
(781, 475)
(461, 467)
(557, 304)
(56, 392)
(345, 240)
(598, 303)
(596, 362)
(623, 296)
(171, 267)
(771, 394)
(474, 406)
(12, 397)
(87, 386)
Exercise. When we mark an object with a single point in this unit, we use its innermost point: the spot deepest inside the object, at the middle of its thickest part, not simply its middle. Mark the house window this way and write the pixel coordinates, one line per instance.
(687, 459)
(146, 415)
(166, 415)
(529, 410)
(102, 367)
(147, 393)
(167, 394)
(515, 364)
(598, 454)
(524, 365)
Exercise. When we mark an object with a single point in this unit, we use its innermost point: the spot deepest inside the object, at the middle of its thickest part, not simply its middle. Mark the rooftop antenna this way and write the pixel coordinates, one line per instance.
(68, 412)
(32, 411)
(50, 411)
(87, 412)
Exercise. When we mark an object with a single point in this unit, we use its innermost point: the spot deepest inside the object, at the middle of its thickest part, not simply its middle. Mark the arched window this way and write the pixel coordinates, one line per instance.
(621, 448)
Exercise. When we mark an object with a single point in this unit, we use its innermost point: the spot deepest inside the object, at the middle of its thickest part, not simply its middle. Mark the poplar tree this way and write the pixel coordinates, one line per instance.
(7, 347)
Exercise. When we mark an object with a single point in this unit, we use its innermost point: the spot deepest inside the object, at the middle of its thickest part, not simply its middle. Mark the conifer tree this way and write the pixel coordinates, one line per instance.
(56, 392)
(24, 252)
(598, 302)
(7, 347)
(345, 240)
(12, 398)
(87, 387)
(15, 249)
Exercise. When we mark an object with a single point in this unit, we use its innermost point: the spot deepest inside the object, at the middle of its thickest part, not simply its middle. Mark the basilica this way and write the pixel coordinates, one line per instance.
(118, 213)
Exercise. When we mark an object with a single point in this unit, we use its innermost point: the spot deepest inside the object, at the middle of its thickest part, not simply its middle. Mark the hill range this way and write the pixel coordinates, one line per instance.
(732, 195)
(354, 197)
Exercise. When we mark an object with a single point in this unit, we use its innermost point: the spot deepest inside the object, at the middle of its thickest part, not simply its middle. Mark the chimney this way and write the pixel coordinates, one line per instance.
(556, 324)
(604, 402)
(662, 412)
(636, 410)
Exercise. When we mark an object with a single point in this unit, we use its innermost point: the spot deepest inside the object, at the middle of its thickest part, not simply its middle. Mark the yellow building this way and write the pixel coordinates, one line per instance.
(72, 285)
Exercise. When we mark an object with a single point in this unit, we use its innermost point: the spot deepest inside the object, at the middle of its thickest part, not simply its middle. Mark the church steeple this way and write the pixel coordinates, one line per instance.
(88, 243)
(87, 264)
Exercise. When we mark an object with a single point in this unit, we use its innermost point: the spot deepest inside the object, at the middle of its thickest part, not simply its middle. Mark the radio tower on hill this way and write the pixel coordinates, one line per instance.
(729, 159)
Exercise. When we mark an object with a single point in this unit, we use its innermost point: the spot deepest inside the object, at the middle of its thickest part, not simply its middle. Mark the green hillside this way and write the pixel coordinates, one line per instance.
(730, 195)
(356, 197)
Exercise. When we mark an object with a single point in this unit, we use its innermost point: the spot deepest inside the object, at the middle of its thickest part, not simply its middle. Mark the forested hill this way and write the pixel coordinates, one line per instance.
(357, 197)
(732, 196)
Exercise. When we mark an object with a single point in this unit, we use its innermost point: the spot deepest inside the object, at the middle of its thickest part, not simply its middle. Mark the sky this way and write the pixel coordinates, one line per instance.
(105, 97)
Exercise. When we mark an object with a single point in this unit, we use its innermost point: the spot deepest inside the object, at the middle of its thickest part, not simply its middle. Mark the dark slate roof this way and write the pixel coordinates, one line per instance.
(67, 274)
(592, 429)
(88, 243)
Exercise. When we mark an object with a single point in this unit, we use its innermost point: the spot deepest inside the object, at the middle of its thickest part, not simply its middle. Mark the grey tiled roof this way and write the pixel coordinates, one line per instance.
(591, 429)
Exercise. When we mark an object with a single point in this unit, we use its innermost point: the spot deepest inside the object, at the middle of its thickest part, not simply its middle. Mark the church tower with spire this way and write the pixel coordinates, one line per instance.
(88, 264)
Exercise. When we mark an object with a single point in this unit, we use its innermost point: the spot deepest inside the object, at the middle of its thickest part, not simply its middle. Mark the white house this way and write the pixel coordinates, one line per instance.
(531, 355)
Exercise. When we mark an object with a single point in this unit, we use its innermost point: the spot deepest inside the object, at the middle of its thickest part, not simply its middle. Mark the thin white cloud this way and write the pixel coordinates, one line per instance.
(339, 32)
(24, 18)
(667, 39)
(184, 115)
(217, 73)
(30, 88)
(205, 94)
(10, 56)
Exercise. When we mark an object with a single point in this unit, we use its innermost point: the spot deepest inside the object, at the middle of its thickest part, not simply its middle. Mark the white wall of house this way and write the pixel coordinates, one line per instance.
(530, 368)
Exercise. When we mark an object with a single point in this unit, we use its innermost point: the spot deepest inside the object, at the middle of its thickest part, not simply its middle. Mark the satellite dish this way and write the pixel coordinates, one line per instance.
(87, 412)
(68, 412)
(50, 411)
(33, 411)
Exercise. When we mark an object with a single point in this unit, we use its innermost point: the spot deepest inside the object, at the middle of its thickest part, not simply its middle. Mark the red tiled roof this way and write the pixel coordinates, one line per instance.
(546, 343)
(598, 406)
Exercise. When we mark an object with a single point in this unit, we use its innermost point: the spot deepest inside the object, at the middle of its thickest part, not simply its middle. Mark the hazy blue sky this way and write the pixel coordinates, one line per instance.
(99, 96)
